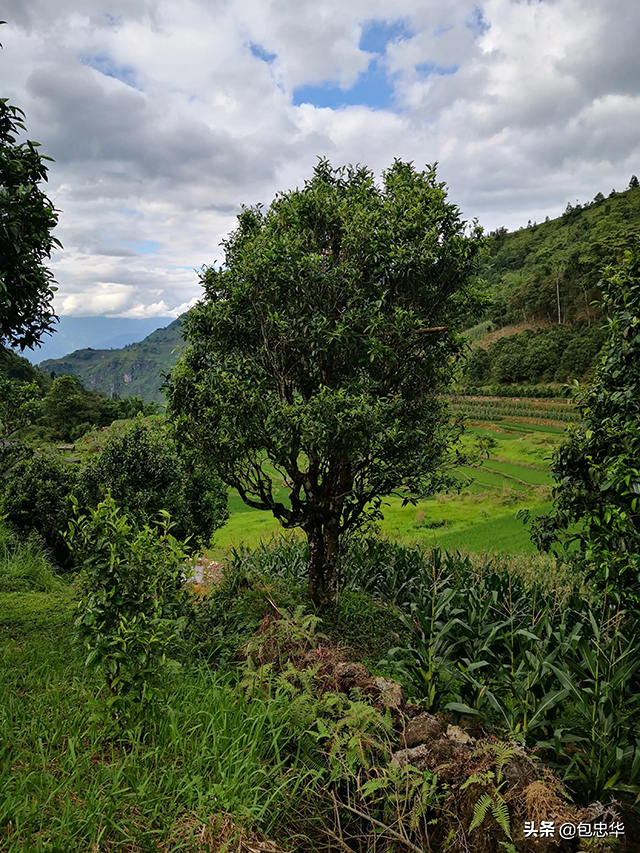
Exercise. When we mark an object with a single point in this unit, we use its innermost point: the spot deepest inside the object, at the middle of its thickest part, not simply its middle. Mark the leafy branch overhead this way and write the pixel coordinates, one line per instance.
(27, 218)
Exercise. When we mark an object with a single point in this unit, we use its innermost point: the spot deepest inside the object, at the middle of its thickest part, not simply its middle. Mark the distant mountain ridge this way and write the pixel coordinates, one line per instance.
(75, 333)
(134, 370)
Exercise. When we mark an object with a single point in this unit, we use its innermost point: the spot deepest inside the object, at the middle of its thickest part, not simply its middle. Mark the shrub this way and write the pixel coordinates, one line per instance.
(35, 499)
(478, 365)
(145, 473)
(132, 605)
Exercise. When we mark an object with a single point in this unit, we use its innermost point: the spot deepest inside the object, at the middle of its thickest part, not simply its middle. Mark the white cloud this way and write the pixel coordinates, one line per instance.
(162, 121)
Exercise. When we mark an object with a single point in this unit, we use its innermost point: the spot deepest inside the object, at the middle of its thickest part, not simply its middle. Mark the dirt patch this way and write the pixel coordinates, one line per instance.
(222, 833)
(513, 329)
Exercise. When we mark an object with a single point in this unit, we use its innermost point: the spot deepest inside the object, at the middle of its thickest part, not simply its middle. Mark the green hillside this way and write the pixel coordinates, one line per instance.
(134, 370)
(531, 270)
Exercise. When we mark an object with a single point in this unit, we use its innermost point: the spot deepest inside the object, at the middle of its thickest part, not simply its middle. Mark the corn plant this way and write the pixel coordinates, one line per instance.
(599, 734)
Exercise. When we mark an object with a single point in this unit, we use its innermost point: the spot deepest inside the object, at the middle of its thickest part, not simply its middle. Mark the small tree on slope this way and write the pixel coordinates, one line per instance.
(319, 353)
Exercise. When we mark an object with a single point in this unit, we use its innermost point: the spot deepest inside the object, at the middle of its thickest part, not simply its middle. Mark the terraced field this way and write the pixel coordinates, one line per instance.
(481, 516)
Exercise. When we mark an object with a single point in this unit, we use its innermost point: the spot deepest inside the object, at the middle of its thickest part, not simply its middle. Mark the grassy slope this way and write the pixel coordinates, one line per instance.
(69, 781)
(133, 370)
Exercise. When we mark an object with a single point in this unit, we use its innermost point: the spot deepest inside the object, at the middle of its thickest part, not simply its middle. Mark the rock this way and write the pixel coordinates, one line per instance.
(390, 693)
(455, 733)
(349, 675)
(520, 772)
(421, 729)
(418, 756)
(63, 447)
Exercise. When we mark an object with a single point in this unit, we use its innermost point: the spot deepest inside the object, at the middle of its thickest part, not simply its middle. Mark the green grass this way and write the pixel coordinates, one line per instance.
(24, 566)
(531, 476)
(70, 781)
(482, 518)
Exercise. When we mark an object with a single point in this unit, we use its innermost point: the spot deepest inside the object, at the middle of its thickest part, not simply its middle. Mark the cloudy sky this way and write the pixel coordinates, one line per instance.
(164, 116)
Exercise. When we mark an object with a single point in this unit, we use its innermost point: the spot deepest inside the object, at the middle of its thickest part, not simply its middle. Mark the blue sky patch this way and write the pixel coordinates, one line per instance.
(371, 89)
(477, 22)
(376, 35)
(143, 247)
(105, 65)
(260, 53)
(427, 68)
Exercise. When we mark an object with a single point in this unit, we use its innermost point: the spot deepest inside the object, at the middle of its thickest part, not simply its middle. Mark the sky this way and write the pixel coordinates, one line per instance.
(165, 116)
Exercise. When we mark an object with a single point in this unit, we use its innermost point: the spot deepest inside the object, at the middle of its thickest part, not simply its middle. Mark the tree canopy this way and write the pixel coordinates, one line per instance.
(27, 218)
(597, 470)
(318, 355)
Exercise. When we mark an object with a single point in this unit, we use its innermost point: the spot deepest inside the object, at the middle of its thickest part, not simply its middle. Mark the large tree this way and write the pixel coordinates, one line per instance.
(319, 353)
(27, 218)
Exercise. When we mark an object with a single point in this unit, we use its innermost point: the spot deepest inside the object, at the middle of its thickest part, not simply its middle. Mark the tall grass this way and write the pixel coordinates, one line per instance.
(69, 781)
(24, 565)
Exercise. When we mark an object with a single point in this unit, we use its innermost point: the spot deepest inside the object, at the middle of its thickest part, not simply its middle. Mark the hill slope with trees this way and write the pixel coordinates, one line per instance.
(550, 271)
(134, 370)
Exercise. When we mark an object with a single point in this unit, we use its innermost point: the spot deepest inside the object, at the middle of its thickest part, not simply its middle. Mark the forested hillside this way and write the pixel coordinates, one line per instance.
(550, 271)
(134, 370)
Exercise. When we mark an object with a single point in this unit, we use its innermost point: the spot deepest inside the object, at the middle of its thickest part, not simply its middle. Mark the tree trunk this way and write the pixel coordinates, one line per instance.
(323, 562)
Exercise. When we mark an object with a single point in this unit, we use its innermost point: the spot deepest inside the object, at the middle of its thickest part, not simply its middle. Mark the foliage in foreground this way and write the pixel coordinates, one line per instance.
(270, 745)
(509, 647)
(27, 218)
(322, 346)
(133, 605)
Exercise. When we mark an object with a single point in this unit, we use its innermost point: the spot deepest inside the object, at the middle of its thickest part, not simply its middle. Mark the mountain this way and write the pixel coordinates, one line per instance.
(134, 370)
(74, 333)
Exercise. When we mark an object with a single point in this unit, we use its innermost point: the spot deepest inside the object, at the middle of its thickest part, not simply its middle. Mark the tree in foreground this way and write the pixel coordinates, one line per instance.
(27, 218)
(597, 470)
(319, 353)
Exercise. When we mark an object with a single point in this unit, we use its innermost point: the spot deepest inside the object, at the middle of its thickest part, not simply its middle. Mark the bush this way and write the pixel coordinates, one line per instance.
(35, 499)
(145, 473)
(132, 602)
(478, 365)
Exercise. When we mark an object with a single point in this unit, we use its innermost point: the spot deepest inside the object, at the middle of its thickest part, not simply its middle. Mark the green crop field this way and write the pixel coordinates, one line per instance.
(480, 517)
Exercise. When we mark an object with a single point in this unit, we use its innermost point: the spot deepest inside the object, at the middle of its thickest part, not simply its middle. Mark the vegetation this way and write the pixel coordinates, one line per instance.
(27, 218)
(596, 470)
(555, 353)
(136, 369)
(133, 604)
(552, 270)
(35, 499)
(298, 352)
(142, 467)
(436, 701)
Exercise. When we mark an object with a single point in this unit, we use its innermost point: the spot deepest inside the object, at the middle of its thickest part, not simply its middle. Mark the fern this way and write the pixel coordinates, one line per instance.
(480, 811)
(500, 811)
